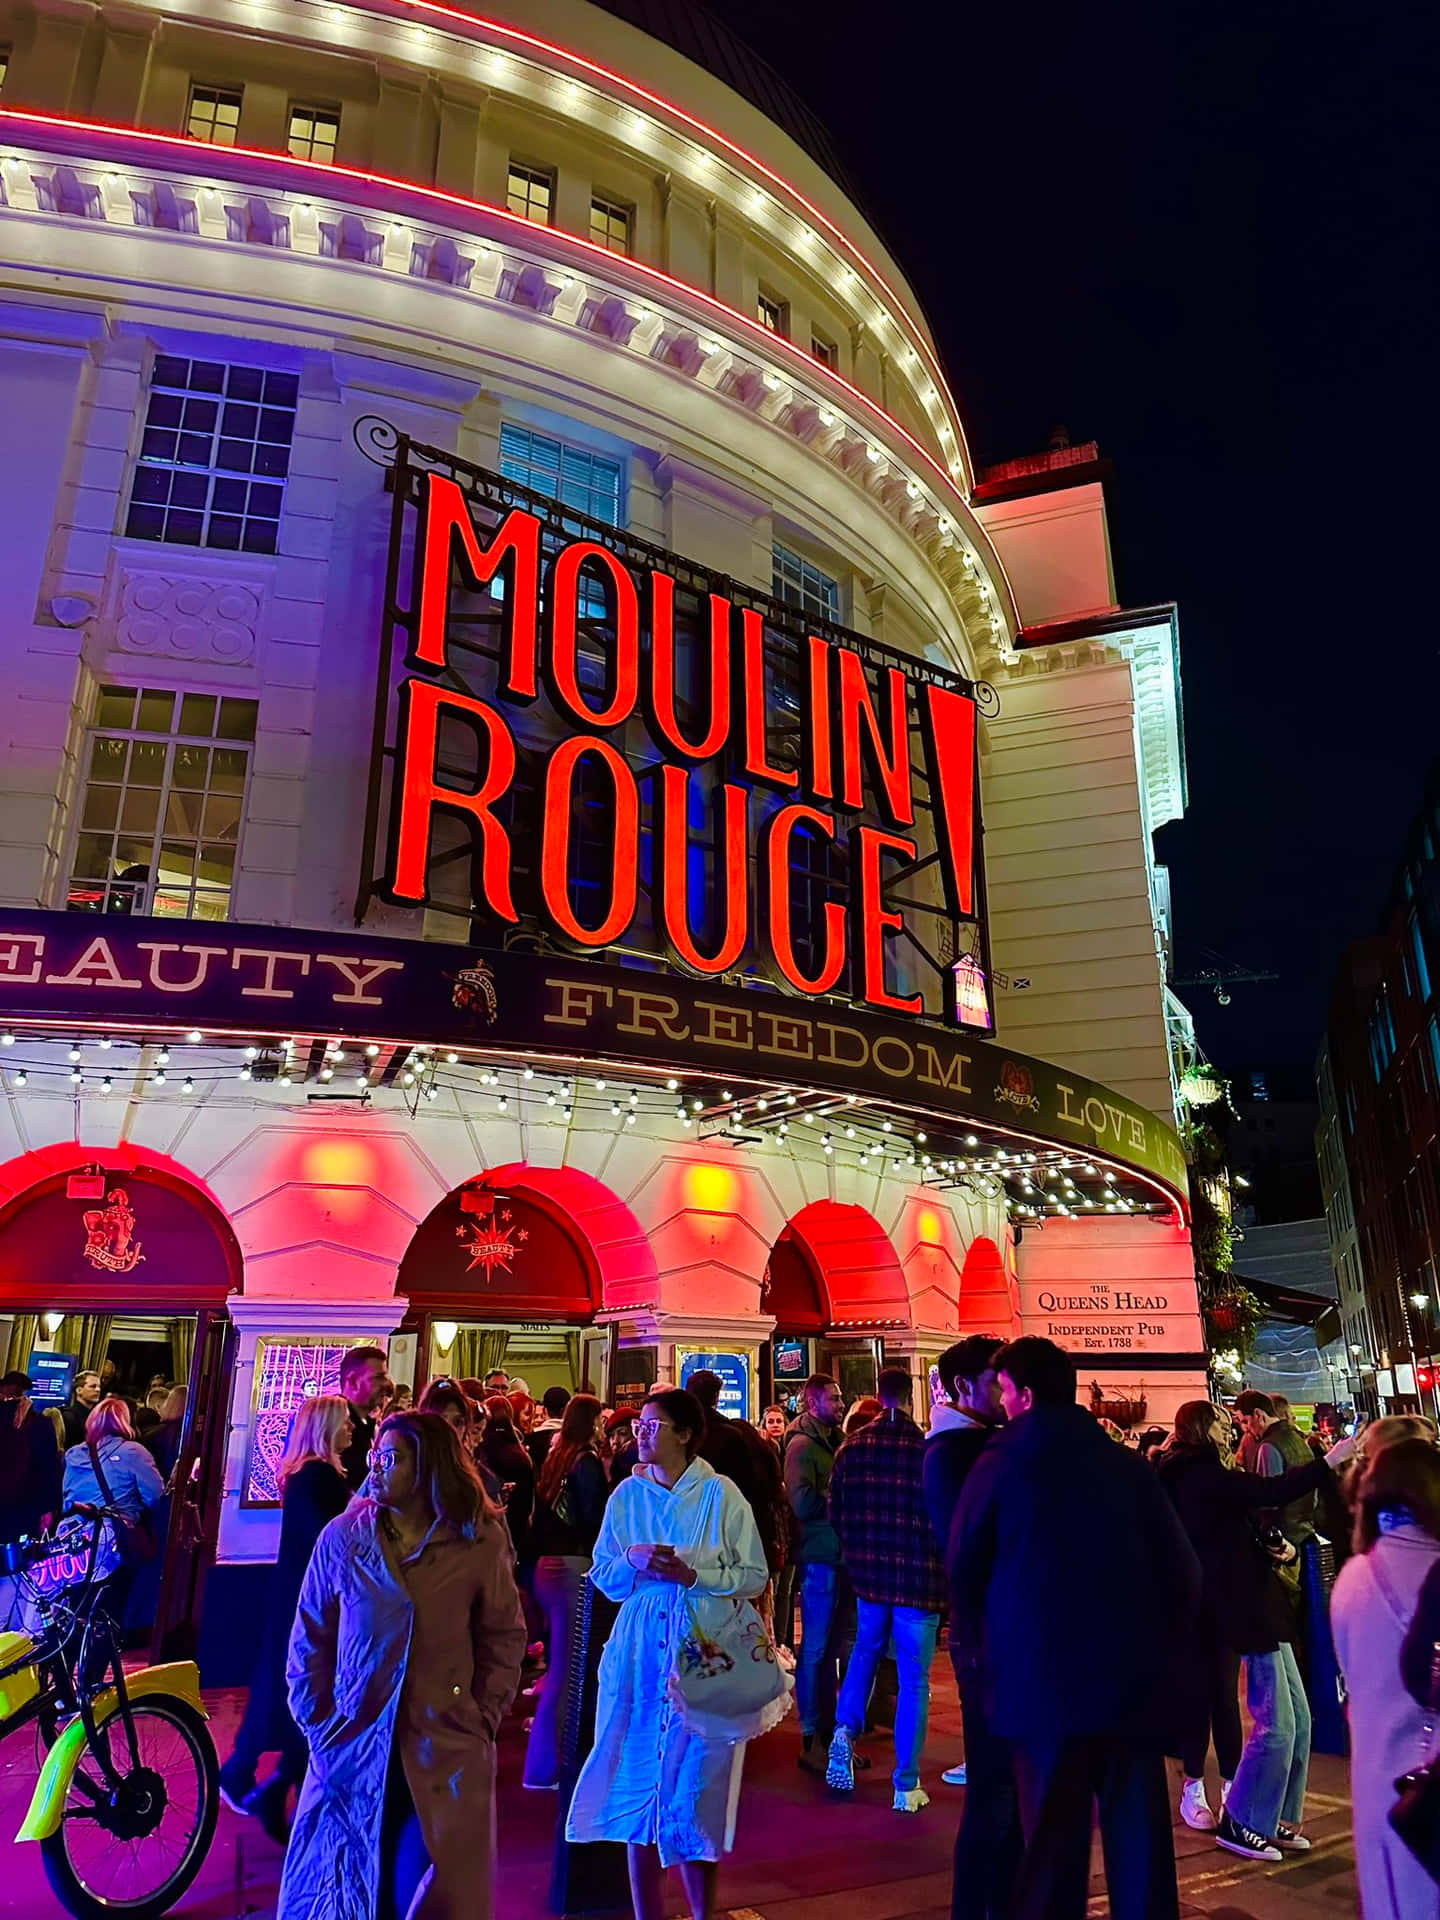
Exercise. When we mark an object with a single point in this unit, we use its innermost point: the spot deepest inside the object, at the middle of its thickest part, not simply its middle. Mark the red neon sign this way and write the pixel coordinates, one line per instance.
(757, 749)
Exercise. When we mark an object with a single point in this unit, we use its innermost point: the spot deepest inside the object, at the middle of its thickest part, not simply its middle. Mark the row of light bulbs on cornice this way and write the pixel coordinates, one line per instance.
(949, 531)
(500, 66)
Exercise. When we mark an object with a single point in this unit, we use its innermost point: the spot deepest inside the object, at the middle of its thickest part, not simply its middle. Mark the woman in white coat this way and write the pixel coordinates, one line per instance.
(673, 1529)
(1397, 1542)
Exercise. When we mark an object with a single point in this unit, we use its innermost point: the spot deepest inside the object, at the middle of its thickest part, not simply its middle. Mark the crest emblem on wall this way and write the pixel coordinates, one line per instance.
(110, 1242)
(491, 1238)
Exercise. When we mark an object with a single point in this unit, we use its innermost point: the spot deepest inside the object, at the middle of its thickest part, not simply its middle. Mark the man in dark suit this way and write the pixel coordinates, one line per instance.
(987, 1843)
(365, 1383)
(1070, 1571)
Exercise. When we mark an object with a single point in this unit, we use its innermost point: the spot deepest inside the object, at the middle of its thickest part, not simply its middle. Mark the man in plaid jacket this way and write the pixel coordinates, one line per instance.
(877, 1507)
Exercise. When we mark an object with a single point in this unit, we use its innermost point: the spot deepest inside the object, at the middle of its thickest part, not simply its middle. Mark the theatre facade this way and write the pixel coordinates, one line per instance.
(551, 818)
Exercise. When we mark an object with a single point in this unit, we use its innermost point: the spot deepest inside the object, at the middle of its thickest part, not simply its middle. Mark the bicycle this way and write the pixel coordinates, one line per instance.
(125, 1807)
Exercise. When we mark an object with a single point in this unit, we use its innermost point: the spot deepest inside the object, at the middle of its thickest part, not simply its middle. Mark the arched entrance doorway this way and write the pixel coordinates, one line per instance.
(119, 1263)
(836, 1288)
(510, 1270)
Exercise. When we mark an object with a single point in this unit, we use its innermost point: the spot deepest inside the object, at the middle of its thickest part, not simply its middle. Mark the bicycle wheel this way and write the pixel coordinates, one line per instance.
(135, 1850)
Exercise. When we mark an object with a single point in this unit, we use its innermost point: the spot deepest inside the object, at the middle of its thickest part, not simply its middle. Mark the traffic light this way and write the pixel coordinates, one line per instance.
(1424, 1378)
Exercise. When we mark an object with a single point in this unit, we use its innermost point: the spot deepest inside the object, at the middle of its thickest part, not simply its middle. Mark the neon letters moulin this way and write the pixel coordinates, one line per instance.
(647, 756)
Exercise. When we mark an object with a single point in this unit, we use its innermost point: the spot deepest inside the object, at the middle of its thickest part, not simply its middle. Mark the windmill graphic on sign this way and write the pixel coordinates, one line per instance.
(490, 1237)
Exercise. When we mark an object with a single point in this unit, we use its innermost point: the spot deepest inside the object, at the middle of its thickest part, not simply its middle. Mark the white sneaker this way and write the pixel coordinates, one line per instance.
(1195, 1809)
(1225, 1786)
(840, 1765)
(954, 1776)
(911, 1801)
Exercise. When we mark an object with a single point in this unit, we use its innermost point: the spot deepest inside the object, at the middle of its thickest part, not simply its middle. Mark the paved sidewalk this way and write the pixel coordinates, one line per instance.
(801, 1852)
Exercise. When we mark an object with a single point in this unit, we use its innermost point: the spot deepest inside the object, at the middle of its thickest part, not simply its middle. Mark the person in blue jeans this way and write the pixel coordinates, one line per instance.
(810, 1449)
(878, 1511)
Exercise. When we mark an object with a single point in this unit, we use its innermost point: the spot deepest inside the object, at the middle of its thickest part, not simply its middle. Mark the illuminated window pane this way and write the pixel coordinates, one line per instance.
(4, 66)
(799, 584)
(214, 115)
(610, 225)
(314, 133)
(160, 818)
(530, 193)
(214, 455)
(773, 314)
(825, 351)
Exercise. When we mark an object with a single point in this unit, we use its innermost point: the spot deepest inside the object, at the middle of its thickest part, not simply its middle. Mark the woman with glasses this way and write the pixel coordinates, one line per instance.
(405, 1654)
(676, 1534)
(313, 1492)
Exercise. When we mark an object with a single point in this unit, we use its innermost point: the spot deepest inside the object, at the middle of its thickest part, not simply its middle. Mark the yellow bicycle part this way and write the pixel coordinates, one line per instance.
(180, 1678)
(17, 1689)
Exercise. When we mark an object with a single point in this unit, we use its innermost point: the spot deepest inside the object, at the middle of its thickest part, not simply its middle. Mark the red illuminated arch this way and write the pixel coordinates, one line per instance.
(588, 1251)
(987, 1304)
(193, 1262)
(837, 1262)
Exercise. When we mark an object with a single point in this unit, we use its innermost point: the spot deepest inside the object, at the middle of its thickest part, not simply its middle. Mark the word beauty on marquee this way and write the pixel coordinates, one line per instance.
(855, 760)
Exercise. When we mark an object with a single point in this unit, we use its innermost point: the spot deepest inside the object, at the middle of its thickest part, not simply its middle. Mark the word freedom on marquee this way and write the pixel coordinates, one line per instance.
(855, 759)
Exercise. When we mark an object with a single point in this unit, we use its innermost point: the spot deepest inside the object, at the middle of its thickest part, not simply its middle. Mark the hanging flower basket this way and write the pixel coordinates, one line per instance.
(1126, 1411)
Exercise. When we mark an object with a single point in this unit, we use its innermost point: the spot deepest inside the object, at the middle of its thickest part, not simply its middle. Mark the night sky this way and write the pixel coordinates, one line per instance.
(1204, 236)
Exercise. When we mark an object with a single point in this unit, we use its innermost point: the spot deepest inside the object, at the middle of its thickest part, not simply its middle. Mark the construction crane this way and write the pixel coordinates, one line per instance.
(1221, 977)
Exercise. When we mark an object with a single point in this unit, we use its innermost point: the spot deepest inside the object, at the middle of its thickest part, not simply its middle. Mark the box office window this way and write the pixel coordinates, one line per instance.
(163, 802)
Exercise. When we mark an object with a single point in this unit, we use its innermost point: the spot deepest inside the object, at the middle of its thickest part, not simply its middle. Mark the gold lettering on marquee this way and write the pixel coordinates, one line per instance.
(11, 946)
(157, 949)
(96, 967)
(789, 1037)
(951, 1077)
(832, 1056)
(728, 1026)
(271, 959)
(888, 1043)
(577, 1002)
(1066, 1112)
(1137, 1133)
(361, 974)
(652, 1014)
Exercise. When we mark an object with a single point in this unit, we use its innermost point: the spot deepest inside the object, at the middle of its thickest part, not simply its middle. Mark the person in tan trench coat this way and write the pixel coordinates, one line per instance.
(404, 1655)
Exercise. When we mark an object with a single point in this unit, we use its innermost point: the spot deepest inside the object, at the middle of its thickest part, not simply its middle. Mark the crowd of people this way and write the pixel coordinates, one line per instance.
(1098, 1602)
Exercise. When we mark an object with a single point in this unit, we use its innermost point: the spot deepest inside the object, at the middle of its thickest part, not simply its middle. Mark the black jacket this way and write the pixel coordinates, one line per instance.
(502, 1452)
(582, 1500)
(355, 1459)
(315, 1494)
(951, 1450)
(30, 1471)
(1417, 1655)
(745, 1457)
(1243, 1604)
(1069, 1568)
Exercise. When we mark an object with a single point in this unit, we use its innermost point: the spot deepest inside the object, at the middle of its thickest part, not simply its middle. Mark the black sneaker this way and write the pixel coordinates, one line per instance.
(1243, 1840)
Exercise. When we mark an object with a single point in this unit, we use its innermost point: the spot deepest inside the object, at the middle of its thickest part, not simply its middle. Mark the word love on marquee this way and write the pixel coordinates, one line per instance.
(854, 766)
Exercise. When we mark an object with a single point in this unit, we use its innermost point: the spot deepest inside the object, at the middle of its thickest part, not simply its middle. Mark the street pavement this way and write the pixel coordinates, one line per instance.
(801, 1852)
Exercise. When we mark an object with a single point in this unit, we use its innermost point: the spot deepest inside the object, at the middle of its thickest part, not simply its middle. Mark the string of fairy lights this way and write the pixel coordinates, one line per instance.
(1035, 1182)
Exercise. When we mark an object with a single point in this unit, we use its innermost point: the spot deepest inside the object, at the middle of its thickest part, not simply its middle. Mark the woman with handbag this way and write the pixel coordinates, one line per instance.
(677, 1547)
(1376, 1597)
(569, 1506)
